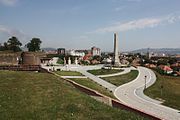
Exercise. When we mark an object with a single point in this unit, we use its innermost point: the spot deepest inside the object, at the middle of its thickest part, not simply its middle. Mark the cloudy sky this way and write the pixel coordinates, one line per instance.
(81, 24)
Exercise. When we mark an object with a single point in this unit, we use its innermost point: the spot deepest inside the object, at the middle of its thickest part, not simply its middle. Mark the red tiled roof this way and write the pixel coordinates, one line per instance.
(165, 68)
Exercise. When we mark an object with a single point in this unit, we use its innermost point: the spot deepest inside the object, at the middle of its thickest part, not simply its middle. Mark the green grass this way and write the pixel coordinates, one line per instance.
(68, 73)
(91, 84)
(122, 79)
(42, 96)
(170, 90)
(104, 71)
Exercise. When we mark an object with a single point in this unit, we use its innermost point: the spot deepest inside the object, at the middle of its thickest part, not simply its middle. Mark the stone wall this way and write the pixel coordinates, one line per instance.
(8, 58)
(25, 58)
(32, 58)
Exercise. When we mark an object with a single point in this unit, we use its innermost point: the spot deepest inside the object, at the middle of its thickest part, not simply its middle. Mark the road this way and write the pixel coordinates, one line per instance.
(132, 95)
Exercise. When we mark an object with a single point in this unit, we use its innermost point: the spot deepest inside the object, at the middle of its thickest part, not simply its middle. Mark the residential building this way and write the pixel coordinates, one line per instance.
(61, 51)
(76, 53)
(95, 51)
(165, 68)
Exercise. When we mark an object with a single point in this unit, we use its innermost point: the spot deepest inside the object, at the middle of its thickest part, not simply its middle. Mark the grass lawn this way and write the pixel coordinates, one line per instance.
(91, 84)
(42, 96)
(170, 87)
(104, 71)
(122, 79)
(68, 73)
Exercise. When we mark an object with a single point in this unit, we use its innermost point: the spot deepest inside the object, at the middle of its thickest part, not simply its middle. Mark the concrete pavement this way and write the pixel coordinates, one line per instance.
(131, 94)
(98, 80)
(125, 71)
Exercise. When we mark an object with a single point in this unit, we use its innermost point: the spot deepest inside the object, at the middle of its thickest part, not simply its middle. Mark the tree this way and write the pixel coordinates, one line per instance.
(162, 62)
(13, 44)
(172, 60)
(34, 45)
(97, 57)
(4, 47)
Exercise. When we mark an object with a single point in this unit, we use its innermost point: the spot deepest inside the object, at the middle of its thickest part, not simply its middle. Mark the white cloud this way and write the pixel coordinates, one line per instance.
(5, 30)
(117, 9)
(8, 32)
(9, 2)
(126, 0)
(83, 37)
(138, 24)
(134, 0)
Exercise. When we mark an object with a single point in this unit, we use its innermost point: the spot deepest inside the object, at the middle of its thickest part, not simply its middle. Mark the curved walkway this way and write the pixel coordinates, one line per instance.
(98, 80)
(132, 95)
(125, 71)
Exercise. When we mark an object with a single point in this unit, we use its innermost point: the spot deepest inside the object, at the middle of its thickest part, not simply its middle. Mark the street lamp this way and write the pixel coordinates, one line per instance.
(161, 89)
(145, 81)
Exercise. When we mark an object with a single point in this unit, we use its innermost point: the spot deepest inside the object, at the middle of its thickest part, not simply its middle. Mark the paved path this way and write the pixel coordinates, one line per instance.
(72, 67)
(100, 81)
(131, 94)
(125, 71)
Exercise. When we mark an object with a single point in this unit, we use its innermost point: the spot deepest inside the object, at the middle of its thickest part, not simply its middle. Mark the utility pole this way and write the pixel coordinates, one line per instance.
(145, 81)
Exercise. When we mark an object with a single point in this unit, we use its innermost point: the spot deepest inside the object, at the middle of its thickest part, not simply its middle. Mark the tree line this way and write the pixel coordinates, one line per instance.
(13, 44)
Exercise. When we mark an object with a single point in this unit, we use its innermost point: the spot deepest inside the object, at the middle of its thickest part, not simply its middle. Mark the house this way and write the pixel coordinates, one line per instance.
(61, 51)
(178, 58)
(124, 62)
(76, 53)
(165, 69)
(95, 51)
(176, 66)
(150, 65)
(94, 62)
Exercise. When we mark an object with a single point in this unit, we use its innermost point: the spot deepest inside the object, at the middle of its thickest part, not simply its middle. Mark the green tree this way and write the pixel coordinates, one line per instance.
(3, 47)
(13, 44)
(34, 45)
(162, 62)
(97, 57)
(172, 61)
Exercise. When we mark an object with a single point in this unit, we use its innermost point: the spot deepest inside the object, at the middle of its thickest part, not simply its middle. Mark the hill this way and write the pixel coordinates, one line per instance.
(48, 49)
(42, 96)
(170, 51)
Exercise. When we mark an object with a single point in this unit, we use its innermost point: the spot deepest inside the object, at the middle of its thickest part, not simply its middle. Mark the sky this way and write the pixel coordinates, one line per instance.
(81, 24)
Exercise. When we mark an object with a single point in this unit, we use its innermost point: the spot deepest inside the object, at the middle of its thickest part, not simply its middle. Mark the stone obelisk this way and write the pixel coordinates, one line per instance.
(116, 54)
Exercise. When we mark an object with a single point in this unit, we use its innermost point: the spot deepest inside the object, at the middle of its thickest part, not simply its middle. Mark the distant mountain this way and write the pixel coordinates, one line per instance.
(48, 49)
(170, 51)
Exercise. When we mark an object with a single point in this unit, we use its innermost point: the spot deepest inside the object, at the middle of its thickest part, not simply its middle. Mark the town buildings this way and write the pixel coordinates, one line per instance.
(95, 51)
(61, 51)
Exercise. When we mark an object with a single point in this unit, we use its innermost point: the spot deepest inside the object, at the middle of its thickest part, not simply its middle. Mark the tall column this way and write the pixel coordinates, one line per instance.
(64, 61)
(76, 61)
(69, 61)
(116, 55)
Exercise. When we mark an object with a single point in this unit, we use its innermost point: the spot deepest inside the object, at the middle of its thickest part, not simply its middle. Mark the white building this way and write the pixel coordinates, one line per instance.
(95, 51)
(76, 53)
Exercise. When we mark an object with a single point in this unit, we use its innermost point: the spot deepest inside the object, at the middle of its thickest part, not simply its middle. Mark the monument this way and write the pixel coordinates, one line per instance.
(116, 54)
(64, 61)
(69, 61)
(76, 61)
